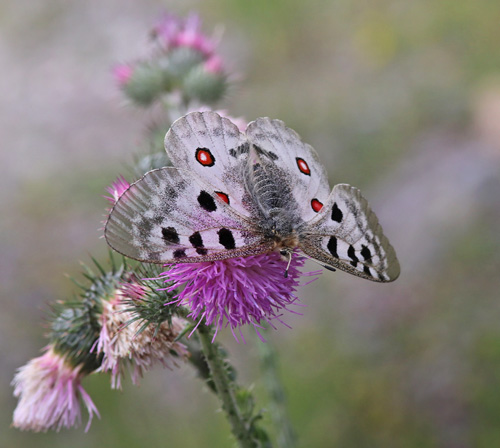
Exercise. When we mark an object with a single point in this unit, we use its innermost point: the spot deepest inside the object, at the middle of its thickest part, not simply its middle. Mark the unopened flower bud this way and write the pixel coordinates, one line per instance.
(147, 82)
(181, 61)
(205, 86)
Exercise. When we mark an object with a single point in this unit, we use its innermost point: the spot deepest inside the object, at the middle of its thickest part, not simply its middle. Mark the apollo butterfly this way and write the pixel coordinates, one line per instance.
(231, 194)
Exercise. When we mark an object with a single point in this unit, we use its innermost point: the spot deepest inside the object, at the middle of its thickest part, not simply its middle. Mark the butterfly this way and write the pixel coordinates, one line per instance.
(232, 194)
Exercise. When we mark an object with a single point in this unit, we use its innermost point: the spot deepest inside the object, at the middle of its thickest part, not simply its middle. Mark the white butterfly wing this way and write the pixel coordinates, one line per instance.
(212, 147)
(172, 216)
(306, 175)
(346, 235)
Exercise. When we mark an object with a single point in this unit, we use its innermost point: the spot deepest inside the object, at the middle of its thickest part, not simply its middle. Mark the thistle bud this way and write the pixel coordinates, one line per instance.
(204, 85)
(180, 61)
(146, 83)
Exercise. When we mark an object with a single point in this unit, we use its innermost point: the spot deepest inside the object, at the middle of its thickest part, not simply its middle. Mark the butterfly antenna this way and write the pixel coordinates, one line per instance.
(288, 265)
(316, 261)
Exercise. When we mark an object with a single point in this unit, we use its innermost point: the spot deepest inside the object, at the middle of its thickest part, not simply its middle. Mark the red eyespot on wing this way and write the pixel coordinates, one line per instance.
(303, 166)
(205, 157)
(316, 205)
(223, 196)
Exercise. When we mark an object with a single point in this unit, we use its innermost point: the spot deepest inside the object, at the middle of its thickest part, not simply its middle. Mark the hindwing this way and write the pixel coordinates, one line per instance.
(346, 235)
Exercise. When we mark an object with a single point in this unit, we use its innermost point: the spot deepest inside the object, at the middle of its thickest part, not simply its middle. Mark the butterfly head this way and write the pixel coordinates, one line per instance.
(284, 242)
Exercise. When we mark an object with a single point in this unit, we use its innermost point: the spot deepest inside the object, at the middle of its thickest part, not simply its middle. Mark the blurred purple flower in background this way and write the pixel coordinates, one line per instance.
(122, 73)
(173, 32)
(184, 67)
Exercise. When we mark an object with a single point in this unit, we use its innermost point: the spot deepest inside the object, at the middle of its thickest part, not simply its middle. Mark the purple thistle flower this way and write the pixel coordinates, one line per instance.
(49, 390)
(238, 291)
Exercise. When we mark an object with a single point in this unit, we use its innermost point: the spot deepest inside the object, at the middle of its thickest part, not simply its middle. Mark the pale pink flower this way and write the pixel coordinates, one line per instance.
(125, 347)
(49, 390)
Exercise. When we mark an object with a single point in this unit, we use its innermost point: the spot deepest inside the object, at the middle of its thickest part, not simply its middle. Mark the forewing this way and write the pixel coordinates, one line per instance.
(346, 235)
(172, 216)
(307, 176)
(212, 147)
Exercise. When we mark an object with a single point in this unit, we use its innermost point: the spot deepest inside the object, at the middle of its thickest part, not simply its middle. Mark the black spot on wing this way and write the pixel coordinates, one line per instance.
(206, 201)
(337, 214)
(197, 242)
(365, 252)
(367, 271)
(352, 255)
(332, 246)
(179, 253)
(226, 238)
(170, 235)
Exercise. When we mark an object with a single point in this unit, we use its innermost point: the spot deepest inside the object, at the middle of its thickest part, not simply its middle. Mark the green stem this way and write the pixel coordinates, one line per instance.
(225, 389)
(285, 435)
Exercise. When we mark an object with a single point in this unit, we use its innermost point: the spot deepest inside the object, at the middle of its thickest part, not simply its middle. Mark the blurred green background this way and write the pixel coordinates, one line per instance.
(401, 99)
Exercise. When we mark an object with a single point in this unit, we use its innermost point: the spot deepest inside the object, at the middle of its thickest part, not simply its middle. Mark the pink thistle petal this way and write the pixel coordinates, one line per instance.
(49, 391)
(167, 29)
(172, 31)
(214, 65)
(116, 189)
(237, 291)
(122, 74)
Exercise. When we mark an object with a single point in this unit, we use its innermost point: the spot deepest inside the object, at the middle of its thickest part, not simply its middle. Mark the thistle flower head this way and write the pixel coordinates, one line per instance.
(186, 64)
(125, 342)
(237, 291)
(173, 32)
(49, 390)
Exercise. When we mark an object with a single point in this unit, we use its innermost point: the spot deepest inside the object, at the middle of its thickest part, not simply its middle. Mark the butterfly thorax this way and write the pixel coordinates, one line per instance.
(270, 197)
